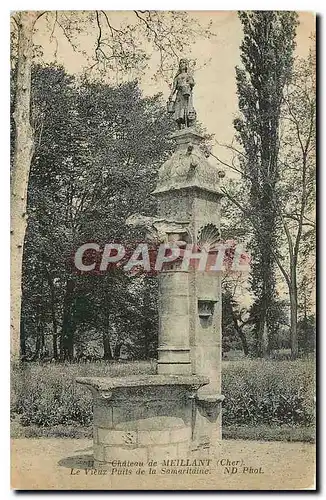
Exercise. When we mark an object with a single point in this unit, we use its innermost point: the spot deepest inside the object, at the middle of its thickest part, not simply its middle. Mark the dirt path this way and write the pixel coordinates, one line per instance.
(60, 464)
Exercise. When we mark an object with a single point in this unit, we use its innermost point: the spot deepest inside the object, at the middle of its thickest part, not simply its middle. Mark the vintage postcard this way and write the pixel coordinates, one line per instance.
(163, 250)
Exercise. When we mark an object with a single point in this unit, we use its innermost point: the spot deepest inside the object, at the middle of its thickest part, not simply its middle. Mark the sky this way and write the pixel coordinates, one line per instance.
(215, 97)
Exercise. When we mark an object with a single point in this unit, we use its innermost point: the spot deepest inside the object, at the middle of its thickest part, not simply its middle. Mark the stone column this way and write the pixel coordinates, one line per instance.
(207, 358)
(174, 349)
(188, 190)
(207, 343)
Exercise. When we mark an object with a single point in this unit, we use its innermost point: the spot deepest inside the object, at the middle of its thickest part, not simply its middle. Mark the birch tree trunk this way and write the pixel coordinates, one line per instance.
(23, 152)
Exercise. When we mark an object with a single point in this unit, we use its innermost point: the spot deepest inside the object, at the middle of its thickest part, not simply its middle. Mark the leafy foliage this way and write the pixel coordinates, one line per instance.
(260, 392)
(48, 395)
(267, 58)
(97, 153)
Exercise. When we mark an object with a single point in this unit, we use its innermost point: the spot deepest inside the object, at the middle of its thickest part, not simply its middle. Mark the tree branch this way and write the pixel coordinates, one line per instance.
(245, 212)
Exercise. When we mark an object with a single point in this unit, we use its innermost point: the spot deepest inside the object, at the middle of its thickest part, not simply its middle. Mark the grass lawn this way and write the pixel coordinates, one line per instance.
(270, 433)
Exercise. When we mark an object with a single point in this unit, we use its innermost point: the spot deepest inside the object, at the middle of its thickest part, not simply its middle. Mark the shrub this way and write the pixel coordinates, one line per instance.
(47, 394)
(256, 392)
(268, 392)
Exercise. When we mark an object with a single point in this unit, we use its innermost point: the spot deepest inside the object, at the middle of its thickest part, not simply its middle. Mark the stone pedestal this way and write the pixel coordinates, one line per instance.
(139, 418)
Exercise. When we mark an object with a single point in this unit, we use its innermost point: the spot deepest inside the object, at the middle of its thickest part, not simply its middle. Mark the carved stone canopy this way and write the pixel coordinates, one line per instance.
(188, 167)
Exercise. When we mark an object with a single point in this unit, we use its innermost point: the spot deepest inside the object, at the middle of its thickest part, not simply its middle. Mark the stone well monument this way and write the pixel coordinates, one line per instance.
(178, 410)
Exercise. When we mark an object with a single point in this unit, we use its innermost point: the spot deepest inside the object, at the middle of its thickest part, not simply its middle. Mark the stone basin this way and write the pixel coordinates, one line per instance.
(110, 383)
(143, 417)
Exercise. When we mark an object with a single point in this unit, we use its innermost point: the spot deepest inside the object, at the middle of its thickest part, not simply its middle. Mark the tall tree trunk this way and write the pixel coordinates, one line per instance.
(147, 329)
(67, 331)
(265, 340)
(117, 349)
(23, 152)
(39, 348)
(261, 332)
(107, 352)
(242, 336)
(244, 342)
(259, 336)
(22, 338)
(53, 314)
(305, 324)
(107, 355)
(293, 292)
(55, 328)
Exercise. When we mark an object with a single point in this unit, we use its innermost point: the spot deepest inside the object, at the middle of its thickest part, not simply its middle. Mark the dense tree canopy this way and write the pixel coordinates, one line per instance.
(97, 155)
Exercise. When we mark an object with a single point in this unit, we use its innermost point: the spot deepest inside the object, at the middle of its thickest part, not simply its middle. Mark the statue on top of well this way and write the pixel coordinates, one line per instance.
(182, 108)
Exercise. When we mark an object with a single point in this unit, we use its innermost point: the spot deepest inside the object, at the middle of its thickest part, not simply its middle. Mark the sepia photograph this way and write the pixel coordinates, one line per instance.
(163, 250)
